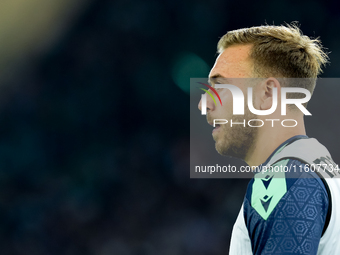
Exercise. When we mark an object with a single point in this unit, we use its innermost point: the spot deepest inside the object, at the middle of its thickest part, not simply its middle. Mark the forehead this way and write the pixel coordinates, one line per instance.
(233, 62)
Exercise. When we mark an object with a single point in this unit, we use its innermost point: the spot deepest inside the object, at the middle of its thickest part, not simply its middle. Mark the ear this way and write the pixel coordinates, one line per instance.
(267, 92)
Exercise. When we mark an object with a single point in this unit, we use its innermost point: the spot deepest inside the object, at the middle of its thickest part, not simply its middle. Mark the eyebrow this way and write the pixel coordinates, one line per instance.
(216, 76)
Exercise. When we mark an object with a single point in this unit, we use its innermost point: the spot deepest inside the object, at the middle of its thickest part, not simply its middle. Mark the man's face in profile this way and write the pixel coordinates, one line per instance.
(230, 66)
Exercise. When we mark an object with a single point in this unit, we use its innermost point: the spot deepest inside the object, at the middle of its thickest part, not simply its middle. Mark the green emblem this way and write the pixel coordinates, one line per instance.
(268, 188)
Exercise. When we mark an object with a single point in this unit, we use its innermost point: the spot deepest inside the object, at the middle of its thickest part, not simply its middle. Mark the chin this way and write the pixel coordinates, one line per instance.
(235, 142)
(231, 150)
(219, 149)
(223, 149)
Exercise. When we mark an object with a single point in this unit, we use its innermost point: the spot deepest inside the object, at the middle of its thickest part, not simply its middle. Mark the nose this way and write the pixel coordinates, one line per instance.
(209, 104)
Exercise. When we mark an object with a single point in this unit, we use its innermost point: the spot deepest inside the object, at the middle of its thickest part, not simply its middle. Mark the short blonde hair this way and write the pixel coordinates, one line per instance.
(279, 51)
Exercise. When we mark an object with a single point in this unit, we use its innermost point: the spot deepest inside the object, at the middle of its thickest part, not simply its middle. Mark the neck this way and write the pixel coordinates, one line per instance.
(269, 138)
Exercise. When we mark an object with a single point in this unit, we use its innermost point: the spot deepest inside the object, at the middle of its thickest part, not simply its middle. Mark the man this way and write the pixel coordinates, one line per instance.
(286, 212)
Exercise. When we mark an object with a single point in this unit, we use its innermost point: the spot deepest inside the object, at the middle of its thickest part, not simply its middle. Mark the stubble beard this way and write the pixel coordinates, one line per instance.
(237, 141)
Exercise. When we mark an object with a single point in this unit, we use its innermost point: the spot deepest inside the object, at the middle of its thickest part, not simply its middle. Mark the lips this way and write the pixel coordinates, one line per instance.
(217, 126)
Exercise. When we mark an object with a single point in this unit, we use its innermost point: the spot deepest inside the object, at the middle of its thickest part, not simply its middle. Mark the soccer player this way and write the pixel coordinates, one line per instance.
(294, 211)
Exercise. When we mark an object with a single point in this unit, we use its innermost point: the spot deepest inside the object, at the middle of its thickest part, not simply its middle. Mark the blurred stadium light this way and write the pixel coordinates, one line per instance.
(188, 65)
(29, 28)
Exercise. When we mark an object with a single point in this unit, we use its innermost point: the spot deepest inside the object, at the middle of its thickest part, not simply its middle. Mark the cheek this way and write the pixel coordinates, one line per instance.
(226, 97)
(255, 99)
(227, 102)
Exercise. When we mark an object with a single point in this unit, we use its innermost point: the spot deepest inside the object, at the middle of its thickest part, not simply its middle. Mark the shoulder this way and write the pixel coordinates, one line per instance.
(282, 177)
(289, 202)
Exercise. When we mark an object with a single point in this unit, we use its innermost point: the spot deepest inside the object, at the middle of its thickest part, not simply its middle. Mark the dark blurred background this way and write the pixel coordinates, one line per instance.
(94, 155)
